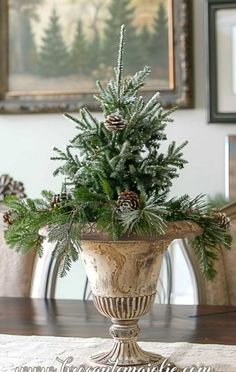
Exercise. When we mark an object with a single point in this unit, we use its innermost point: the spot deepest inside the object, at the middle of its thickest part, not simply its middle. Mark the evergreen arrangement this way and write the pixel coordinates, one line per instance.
(118, 178)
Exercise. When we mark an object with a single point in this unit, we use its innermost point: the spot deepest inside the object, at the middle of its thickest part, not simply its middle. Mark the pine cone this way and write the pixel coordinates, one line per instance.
(58, 199)
(222, 219)
(128, 200)
(7, 218)
(114, 123)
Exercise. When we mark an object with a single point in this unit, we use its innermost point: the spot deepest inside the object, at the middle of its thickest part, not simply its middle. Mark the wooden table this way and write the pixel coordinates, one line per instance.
(166, 323)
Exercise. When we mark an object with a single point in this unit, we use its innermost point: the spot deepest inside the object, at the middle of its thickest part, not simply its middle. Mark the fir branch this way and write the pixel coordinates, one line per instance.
(208, 246)
(66, 238)
(80, 124)
(108, 220)
(151, 104)
(134, 83)
(213, 239)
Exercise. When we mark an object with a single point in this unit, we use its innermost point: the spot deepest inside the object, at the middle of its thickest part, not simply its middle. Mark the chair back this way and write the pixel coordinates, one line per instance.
(15, 269)
(221, 290)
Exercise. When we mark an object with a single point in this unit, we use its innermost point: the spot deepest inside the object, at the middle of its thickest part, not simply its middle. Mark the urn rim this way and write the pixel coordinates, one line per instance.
(174, 230)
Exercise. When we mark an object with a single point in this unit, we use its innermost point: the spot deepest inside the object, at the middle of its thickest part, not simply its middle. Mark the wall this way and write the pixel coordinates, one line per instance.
(26, 142)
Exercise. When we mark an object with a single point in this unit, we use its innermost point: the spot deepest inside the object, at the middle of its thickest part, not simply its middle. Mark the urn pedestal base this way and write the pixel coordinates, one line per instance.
(126, 351)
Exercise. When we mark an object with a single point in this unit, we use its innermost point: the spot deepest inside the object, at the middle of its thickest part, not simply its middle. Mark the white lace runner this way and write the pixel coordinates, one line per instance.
(40, 351)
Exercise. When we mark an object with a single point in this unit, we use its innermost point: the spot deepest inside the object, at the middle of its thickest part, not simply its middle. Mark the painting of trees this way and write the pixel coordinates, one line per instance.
(76, 40)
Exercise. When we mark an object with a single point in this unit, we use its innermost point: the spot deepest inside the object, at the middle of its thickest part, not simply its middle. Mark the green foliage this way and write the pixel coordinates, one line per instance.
(147, 220)
(99, 164)
(24, 235)
(67, 247)
(108, 221)
(207, 246)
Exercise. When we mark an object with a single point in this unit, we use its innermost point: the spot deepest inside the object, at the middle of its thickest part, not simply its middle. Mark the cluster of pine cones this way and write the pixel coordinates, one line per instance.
(10, 187)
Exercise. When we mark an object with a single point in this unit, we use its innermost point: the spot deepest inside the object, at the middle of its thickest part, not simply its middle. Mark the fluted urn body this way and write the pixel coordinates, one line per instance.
(123, 277)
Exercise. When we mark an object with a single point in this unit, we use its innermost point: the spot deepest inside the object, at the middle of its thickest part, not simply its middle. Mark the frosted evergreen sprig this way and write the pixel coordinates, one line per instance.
(151, 104)
(120, 61)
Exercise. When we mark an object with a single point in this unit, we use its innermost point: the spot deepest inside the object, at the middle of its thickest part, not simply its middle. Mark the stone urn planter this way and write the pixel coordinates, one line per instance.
(123, 277)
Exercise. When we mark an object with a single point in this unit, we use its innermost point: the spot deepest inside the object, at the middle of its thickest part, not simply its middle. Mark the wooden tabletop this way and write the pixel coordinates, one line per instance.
(165, 323)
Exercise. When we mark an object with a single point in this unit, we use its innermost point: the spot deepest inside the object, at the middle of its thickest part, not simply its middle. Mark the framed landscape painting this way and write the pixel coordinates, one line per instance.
(52, 52)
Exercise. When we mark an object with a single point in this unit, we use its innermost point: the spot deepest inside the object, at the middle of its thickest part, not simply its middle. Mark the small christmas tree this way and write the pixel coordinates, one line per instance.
(119, 180)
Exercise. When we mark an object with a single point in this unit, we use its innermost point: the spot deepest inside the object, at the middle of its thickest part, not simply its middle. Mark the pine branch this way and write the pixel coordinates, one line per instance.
(148, 220)
(66, 248)
(209, 245)
(136, 82)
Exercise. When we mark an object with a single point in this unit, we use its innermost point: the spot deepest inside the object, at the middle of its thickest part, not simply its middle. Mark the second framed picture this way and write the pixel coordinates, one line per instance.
(221, 42)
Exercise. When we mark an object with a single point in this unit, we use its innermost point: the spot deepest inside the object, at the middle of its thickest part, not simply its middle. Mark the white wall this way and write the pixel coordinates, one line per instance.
(26, 142)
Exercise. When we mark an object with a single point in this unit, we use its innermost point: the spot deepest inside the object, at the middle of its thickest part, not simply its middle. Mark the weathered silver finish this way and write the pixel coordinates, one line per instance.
(123, 277)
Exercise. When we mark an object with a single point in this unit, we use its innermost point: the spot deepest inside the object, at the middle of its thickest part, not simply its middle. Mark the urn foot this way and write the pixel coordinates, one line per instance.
(127, 354)
(125, 351)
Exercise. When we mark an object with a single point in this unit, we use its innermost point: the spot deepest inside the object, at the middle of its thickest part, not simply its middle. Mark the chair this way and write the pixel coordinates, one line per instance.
(222, 290)
(15, 269)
